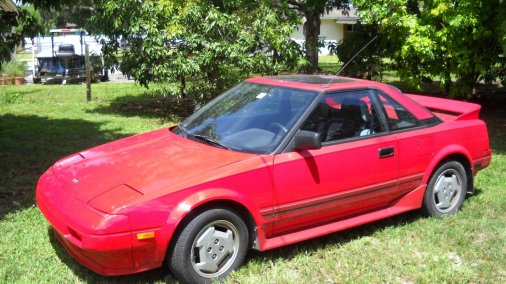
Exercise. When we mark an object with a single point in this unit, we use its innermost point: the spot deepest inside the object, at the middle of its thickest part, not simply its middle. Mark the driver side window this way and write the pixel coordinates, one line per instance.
(344, 115)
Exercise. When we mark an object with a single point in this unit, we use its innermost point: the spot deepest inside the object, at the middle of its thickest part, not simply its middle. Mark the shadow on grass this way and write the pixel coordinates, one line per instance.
(494, 114)
(477, 191)
(29, 145)
(342, 237)
(167, 108)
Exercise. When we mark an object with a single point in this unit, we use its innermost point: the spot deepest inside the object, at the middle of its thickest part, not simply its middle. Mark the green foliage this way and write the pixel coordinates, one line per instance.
(14, 68)
(48, 4)
(501, 36)
(14, 26)
(29, 22)
(56, 13)
(18, 68)
(76, 12)
(439, 38)
(212, 44)
(367, 64)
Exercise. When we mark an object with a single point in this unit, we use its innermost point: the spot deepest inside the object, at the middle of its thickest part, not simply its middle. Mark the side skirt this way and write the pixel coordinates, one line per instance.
(410, 201)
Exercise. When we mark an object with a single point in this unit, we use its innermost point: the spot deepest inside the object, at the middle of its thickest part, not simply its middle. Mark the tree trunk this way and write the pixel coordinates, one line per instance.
(312, 32)
(448, 77)
(469, 83)
(182, 87)
(448, 83)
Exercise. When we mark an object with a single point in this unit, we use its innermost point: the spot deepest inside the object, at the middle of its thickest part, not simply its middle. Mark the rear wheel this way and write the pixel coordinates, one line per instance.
(211, 245)
(446, 190)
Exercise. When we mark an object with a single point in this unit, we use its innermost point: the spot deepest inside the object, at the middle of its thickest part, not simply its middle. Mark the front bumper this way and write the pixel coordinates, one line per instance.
(101, 262)
(80, 229)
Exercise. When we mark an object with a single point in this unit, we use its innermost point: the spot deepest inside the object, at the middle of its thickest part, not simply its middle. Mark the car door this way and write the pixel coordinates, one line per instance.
(355, 171)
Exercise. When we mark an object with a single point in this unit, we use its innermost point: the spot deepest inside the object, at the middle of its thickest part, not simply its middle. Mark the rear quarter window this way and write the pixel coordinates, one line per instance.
(398, 117)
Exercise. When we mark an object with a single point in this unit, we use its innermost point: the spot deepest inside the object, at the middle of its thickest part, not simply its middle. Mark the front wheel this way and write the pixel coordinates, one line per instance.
(211, 246)
(446, 190)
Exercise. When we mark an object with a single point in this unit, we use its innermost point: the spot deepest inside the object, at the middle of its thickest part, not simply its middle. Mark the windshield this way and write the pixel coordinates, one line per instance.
(249, 117)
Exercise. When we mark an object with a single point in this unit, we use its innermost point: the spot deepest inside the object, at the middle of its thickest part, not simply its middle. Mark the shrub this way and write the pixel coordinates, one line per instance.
(14, 68)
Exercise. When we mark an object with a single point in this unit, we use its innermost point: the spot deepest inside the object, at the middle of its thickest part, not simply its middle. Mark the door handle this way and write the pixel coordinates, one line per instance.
(386, 152)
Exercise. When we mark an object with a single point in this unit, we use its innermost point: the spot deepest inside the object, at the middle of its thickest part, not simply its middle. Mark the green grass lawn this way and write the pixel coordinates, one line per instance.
(25, 56)
(40, 124)
(329, 64)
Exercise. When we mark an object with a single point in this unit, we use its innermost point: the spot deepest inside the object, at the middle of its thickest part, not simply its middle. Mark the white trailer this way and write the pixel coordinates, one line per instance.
(60, 59)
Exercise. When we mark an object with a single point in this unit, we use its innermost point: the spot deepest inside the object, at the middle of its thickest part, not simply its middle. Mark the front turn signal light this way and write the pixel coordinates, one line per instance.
(145, 235)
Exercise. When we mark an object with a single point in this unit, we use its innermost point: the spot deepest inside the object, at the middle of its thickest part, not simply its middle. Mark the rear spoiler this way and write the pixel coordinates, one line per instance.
(460, 110)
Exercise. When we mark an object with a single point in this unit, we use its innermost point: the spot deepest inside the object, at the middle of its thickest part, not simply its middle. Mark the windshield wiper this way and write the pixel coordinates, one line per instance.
(210, 141)
(204, 138)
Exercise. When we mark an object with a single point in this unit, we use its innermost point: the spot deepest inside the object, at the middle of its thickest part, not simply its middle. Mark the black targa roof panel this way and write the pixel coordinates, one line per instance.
(311, 79)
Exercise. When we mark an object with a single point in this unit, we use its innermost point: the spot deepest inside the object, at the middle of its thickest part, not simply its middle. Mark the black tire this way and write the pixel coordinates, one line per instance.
(209, 247)
(446, 190)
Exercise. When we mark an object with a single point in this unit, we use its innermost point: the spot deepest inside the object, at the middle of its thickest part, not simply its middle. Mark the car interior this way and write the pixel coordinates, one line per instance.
(264, 129)
(343, 116)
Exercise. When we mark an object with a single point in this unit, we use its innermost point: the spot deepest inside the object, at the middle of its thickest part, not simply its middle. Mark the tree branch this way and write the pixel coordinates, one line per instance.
(296, 4)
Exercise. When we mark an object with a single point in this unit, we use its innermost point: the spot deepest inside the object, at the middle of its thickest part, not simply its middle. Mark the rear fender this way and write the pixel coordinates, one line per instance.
(443, 154)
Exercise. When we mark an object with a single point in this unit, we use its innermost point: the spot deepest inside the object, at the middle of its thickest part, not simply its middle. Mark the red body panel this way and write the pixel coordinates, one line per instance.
(323, 185)
(98, 200)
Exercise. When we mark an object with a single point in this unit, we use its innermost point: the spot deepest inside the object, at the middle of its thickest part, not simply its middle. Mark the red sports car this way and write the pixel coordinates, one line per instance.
(272, 161)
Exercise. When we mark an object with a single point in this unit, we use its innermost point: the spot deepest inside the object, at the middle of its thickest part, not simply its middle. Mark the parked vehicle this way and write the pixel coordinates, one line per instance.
(62, 60)
(271, 162)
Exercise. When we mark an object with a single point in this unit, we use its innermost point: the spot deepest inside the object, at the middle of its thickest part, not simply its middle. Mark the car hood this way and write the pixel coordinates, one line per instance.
(153, 161)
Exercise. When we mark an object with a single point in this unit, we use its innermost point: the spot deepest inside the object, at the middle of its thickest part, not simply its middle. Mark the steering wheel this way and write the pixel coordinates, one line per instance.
(279, 126)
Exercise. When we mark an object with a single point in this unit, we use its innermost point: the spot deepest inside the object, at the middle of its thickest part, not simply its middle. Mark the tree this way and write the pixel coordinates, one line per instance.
(366, 64)
(312, 10)
(213, 44)
(48, 4)
(76, 12)
(441, 38)
(501, 38)
(14, 26)
(26, 22)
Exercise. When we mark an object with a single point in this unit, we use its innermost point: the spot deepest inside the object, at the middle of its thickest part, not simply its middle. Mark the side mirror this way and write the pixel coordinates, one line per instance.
(307, 140)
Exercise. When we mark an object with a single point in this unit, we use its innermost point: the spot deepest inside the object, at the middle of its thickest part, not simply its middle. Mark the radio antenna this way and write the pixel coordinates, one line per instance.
(349, 61)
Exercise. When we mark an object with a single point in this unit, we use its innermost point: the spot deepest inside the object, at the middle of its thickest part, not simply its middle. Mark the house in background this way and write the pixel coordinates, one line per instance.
(334, 27)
